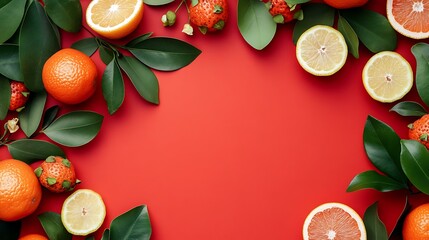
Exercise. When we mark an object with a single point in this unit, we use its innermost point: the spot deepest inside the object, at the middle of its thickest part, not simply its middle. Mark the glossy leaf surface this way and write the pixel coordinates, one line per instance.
(157, 2)
(373, 180)
(51, 223)
(31, 116)
(375, 228)
(133, 224)
(50, 115)
(66, 14)
(409, 108)
(31, 150)
(86, 45)
(137, 40)
(349, 35)
(9, 62)
(165, 54)
(75, 128)
(113, 86)
(255, 23)
(5, 93)
(421, 54)
(414, 161)
(11, 16)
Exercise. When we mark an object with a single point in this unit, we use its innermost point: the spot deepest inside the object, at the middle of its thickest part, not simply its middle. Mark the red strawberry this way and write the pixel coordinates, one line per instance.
(419, 130)
(283, 13)
(18, 97)
(208, 15)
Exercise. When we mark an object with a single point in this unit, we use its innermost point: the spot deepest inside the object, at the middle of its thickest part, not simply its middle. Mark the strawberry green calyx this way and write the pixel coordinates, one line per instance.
(51, 181)
(194, 3)
(203, 29)
(424, 137)
(218, 9)
(66, 162)
(38, 171)
(219, 25)
(50, 159)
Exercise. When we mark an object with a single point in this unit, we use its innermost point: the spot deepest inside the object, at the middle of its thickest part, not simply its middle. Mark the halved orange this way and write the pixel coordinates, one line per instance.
(114, 19)
(409, 17)
(333, 221)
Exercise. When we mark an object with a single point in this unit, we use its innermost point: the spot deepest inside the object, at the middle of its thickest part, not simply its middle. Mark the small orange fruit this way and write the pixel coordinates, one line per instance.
(344, 4)
(33, 237)
(419, 130)
(409, 18)
(70, 76)
(20, 191)
(416, 224)
(114, 19)
(57, 174)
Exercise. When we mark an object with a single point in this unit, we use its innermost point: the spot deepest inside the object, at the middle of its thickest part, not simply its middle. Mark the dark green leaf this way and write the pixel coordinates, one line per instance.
(113, 86)
(349, 35)
(142, 77)
(165, 54)
(372, 28)
(66, 14)
(51, 223)
(75, 128)
(10, 230)
(133, 224)
(374, 180)
(319, 14)
(106, 54)
(138, 40)
(86, 45)
(255, 23)
(157, 2)
(414, 160)
(31, 150)
(31, 115)
(421, 53)
(4, 97)
(90, 238)
(38, 41)
(106, 234)
(375, 228)
(396, 233)
(292, 2)
(409, 109)
(9, 62)
(382, 145)
(50, 115)
(11, 16)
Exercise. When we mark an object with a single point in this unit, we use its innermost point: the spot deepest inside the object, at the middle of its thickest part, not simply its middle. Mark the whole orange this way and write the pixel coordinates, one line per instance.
(344, 4)
(33, 237)
(416, 224)
(20, 191)
(70, 76)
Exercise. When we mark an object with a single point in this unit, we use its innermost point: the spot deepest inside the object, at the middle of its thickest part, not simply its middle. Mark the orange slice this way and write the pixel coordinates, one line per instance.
(409, 17)
(114, 19)
(333, 221)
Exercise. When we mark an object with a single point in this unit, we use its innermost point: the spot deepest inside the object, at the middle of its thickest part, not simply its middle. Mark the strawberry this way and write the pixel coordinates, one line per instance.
(57, 174)
(419, 130)
(208, 15)
(18, 97)
(283, 12)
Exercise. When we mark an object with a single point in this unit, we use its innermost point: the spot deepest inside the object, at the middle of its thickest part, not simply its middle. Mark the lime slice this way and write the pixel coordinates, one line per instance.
(387, 76)
(321, 50)
(83, 212)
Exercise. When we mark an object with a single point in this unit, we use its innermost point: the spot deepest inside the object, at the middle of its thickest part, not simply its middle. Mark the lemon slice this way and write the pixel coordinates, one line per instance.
(114, 19)
(321, 50)
(387, 76)
(83, 212)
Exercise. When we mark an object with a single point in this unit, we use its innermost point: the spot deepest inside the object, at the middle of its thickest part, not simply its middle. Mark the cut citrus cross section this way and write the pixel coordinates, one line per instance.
(387, 76)
(114, 19)
(333, 221)
(83, 212)
(409, 17)
(321, 50)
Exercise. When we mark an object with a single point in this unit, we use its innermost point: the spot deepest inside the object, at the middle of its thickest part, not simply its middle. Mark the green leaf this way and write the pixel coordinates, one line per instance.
(9, 62)
(349, 35)
(51, 223)
(157, 2)
(421, 53)
(321, 14)
(397, 229)
(10, 230)
(66, 14)
(133, 224)
(375, 228)
(255, 23)
(414, 161)
(75, 129)
(90, 238)
(383, 148)
(372, 28)
(106, 54)
(138, 40)
(106, 234)
(165, 54)
(113, 86)
(373, 180)
(292, 2)
(38, 41)
(142, 77)
(5, 93)
(31, 115)
(86, 45)
(50, 115)
(11, 16)
(32, 150)
(409, 109)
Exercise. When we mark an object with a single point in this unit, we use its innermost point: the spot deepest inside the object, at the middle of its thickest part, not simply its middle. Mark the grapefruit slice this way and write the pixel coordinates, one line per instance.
(409, 17)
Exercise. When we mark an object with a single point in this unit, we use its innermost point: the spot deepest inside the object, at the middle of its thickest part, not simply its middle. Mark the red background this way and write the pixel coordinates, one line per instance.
(243, 145)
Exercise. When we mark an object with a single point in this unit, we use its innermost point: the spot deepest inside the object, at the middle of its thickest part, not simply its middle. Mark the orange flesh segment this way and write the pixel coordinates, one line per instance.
(411, 14)
(102, 13)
